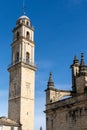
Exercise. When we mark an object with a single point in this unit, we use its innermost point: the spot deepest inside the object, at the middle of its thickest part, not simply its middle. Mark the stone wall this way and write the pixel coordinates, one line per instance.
(67, 114)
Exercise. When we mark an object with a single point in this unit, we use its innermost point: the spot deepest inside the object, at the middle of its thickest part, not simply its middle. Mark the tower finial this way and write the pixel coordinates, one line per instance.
(75, 61)
(24, 12)
(41, 128)
(82, 59)
(50, 81)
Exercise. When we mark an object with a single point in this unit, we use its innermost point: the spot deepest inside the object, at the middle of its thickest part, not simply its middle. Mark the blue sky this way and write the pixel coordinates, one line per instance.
(60, 33)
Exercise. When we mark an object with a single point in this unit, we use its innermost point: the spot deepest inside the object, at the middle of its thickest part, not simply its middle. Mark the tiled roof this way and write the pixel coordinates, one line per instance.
(8, 122)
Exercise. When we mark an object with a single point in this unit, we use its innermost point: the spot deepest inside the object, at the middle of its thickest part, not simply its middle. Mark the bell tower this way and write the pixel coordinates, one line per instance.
(22, 74)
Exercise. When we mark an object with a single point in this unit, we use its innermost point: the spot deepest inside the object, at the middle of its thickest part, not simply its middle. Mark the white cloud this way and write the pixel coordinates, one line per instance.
(3, 102)
(40, 122)
(3, 93)
(39, 114)
(39, 108)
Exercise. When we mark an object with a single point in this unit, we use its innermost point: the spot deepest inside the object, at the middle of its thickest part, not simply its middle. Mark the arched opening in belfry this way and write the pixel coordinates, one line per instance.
(17, 57)
(17, 35)
(27, 23)
(27, 57)
(27, 35)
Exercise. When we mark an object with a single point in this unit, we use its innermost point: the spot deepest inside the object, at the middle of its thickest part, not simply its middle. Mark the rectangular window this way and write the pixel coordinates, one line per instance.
(12, 128)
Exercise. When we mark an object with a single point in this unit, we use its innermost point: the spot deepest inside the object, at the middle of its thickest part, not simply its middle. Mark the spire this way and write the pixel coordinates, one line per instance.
(83, 67)
(50, 81)
(41, 128)
(75, 61)
(82, 63)
(23, 9)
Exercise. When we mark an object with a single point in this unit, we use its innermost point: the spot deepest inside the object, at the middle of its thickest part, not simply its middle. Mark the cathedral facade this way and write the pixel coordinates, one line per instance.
(22, 79)
(67, 110)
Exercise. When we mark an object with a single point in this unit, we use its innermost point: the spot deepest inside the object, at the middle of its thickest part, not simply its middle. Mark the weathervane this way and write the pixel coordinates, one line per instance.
(24, 12)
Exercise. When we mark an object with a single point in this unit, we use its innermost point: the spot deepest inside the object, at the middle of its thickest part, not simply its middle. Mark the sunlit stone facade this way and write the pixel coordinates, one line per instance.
(67, 110)
(22, 75)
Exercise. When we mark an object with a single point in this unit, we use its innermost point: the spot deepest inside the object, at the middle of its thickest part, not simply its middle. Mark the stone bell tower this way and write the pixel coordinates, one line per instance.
(22, 74)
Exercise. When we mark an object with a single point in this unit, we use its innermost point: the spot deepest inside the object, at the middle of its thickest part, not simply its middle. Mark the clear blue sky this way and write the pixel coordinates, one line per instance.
(60, 33)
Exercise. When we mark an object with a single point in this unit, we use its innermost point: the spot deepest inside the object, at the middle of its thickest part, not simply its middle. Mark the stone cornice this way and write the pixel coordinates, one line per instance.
(20, 40)
(67, 103)
(22, 64)
(21, 26)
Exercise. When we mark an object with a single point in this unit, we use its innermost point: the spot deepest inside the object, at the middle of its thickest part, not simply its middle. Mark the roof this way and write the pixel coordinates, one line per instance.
(8, 122)
(23, 17)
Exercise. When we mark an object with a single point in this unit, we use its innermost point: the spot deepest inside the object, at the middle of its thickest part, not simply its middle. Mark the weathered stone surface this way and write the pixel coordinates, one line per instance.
(69, 113)
(22, 75)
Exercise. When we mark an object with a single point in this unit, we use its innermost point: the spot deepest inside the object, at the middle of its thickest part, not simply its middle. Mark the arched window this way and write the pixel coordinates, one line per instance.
(23, 21)
(17, 57)
(17, 35)
(27, 35)
(27, 57)
(27, 23)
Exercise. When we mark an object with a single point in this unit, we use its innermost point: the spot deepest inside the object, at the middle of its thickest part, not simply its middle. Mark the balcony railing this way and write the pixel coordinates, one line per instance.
(27, 62)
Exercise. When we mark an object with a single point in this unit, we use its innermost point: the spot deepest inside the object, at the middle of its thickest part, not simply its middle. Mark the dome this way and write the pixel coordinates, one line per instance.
(23, 20)
(23, 17)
